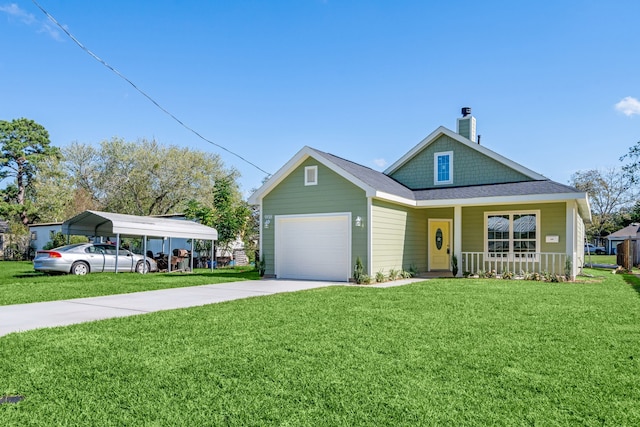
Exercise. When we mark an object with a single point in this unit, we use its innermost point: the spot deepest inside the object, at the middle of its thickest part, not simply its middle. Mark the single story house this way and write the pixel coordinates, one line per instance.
(449, 199)
(42, 233)
(628, 232)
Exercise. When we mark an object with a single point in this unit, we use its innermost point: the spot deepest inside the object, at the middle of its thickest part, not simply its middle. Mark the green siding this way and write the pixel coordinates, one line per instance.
(552, 222)
(398, 237)
(469, 167)
(333, 193)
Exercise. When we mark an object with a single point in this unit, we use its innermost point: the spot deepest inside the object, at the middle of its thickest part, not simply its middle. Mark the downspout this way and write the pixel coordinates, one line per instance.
(369, 225)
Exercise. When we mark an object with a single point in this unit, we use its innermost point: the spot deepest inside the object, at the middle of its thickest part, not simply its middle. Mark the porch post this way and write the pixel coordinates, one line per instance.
(570, 233)
(457, 237)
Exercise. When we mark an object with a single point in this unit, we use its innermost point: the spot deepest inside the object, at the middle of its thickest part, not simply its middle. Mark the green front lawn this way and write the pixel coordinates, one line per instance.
(20, 284)
(439, 352)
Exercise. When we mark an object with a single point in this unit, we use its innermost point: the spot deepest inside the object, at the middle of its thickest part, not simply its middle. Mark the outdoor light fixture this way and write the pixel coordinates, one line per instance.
(358, 221)
(266, 223)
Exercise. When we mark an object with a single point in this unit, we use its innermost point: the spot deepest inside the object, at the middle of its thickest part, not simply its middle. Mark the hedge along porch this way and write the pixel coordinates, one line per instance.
(106, 224)
(446, 197)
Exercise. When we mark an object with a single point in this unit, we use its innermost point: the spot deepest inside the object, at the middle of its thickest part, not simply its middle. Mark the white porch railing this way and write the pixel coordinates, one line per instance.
(517, 263)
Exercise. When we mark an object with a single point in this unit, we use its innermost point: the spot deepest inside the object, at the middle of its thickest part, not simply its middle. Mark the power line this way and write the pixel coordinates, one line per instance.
(100, 60)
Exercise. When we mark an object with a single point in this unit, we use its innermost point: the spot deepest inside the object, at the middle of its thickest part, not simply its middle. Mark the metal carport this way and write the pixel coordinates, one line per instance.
(105, 224)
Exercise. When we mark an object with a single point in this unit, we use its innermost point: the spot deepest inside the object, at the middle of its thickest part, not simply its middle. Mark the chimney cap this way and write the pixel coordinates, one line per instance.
(465, 111)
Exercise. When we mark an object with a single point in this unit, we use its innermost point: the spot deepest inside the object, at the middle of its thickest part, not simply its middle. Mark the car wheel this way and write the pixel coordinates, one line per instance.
(599, 252)
(140, 267)
(80, 268)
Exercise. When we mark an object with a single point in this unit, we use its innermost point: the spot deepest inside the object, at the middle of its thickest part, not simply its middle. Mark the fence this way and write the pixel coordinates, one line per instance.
(530, 262)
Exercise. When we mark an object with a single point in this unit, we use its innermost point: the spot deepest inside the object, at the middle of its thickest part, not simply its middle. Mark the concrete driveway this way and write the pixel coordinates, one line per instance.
(23, 317)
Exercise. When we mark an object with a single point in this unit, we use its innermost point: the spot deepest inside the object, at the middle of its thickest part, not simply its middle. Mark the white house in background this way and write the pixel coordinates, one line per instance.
(41, 234)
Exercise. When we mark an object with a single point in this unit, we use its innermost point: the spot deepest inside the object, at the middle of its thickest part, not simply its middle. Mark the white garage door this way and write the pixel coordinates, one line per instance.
(313, 247)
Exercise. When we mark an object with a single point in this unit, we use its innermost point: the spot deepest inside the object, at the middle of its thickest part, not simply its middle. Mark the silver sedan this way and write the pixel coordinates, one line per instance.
(84, 258)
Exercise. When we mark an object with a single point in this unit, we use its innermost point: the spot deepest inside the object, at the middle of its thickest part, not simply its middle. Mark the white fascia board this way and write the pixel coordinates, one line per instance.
(480, 148)
(393, 198)
(498, 200)
(296, 161)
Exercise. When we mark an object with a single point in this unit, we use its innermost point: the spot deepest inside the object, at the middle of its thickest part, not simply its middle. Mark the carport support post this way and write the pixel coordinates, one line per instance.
(144, 254)
(192, 240)
(213, 244)
(117, 250)
(169, 257)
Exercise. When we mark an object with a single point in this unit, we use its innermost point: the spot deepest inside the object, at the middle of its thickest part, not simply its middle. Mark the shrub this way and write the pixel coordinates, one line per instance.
(407, 275)
(365, 279)
(358, 271)
(380, 277)
(507, 275)
(454, 265)
(393, 274)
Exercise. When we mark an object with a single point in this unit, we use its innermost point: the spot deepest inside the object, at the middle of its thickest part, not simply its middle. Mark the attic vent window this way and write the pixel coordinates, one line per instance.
(443, 168)
(311, 175)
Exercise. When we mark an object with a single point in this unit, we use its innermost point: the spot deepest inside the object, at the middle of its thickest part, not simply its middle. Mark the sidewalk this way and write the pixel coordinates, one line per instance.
(23, 317)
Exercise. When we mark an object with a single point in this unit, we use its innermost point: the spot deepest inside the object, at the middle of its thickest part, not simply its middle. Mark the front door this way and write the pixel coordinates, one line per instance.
(439, 245)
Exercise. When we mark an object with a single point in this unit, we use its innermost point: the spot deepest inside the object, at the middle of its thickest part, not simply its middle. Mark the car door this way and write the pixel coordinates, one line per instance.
(125, 260)
(95, 257)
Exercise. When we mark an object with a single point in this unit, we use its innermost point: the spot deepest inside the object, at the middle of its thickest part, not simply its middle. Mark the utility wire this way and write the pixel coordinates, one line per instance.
(97, 58)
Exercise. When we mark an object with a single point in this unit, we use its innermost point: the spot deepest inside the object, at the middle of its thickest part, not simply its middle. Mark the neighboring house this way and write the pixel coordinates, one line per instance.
(448, 196)
(628, 232)
(43, 233)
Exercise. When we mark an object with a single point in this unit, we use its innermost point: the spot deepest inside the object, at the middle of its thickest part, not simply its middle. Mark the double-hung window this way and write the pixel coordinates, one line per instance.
(443, 167)
(512, 235)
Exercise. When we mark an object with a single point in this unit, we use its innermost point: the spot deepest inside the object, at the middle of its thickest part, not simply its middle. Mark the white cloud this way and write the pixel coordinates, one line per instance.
(629, 106)
(52, 31)
(380, 162)
(27, 18)
(14, 10)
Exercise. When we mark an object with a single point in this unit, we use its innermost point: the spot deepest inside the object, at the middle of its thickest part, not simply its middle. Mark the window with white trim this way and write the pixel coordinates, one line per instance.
(443, 167)
(512, 235)
(311, 175)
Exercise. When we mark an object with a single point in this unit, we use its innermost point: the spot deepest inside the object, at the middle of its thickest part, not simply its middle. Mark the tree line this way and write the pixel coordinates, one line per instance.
(44, 183)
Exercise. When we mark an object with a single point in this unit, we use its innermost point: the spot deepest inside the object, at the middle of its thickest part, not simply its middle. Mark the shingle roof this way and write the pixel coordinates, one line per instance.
(375, 179)
(384, 183)
(522, 188)
(629, 232)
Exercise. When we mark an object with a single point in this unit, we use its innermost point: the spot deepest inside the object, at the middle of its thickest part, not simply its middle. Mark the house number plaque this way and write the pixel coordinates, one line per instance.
(439, 239)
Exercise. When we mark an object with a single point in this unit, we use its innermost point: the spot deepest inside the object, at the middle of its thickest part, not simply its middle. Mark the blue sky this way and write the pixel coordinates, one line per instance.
(554, 86)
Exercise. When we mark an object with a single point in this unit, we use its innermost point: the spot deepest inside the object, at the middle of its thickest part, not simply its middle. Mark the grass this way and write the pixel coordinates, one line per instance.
(440, 352)
(600, 259)
(20, 284)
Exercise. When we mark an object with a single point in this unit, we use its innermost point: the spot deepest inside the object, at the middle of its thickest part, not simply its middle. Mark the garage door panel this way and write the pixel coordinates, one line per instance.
(313, 247)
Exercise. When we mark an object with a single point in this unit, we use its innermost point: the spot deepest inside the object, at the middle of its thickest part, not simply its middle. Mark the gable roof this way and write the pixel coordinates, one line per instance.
(468, 143)
(628, 232)
(379, 185)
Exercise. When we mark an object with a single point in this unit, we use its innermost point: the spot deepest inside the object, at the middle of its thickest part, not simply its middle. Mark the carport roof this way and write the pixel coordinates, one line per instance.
(95, 223)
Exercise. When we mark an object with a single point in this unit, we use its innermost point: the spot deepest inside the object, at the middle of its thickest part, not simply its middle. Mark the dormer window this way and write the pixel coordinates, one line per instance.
(443, 168)
(311, 175)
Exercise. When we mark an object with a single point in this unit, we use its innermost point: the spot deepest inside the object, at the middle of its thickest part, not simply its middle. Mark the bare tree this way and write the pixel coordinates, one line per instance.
(610, 190)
